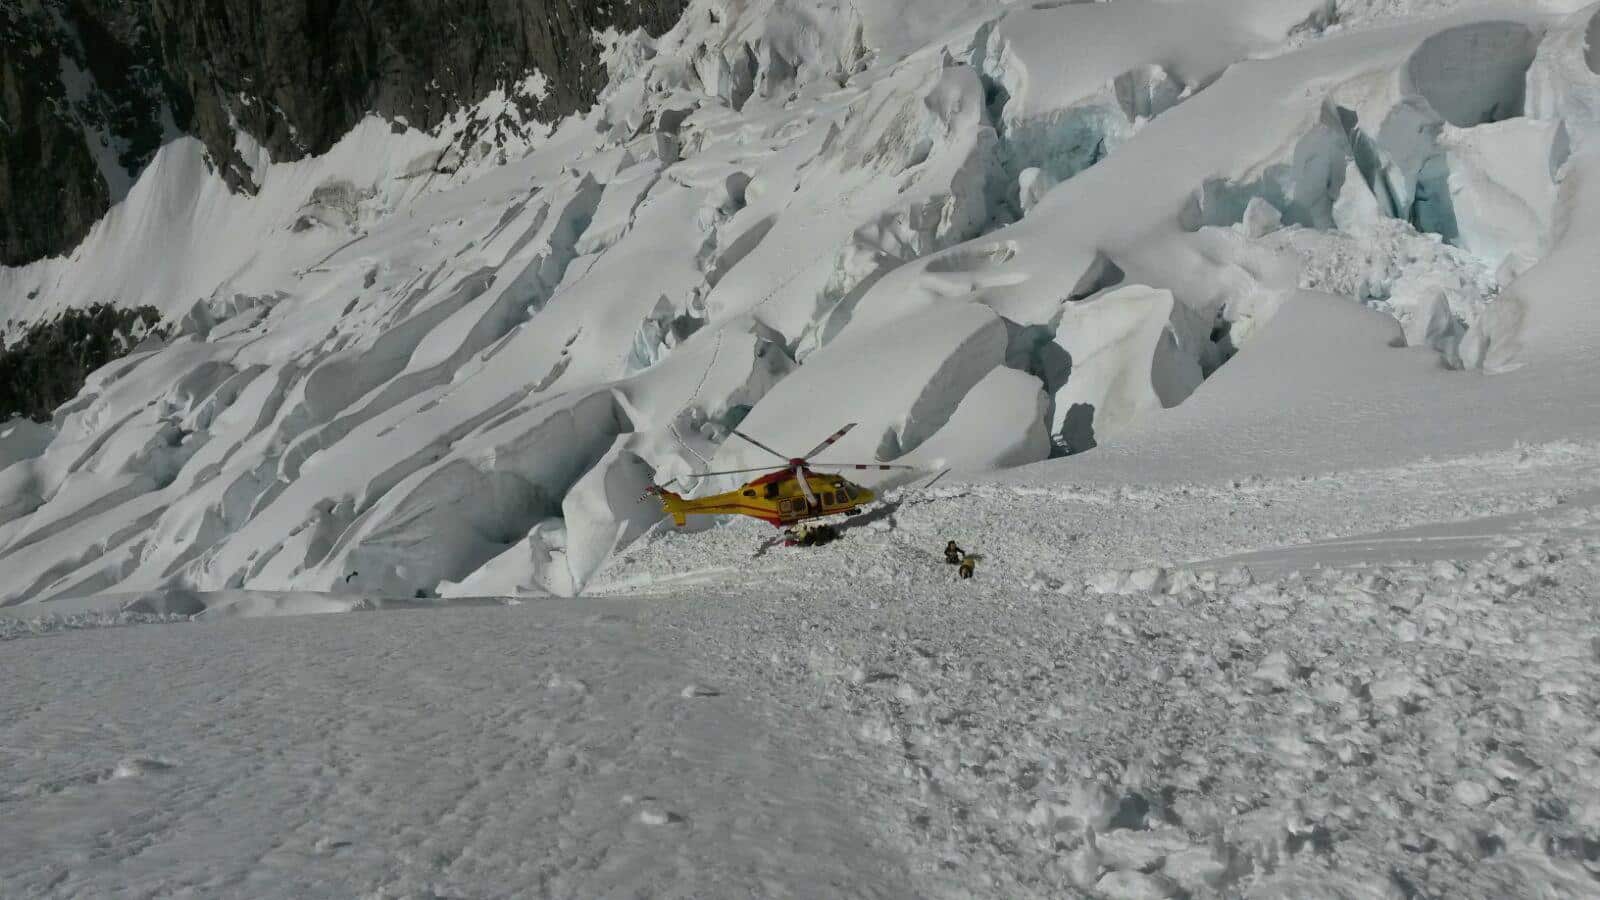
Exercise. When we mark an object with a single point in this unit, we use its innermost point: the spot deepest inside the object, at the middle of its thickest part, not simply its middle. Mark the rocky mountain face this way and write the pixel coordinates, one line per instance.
(80, 109)
(89, 89)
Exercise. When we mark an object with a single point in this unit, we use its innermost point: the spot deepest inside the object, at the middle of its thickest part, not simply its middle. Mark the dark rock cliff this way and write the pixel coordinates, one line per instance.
(90, 88)
(74, 103)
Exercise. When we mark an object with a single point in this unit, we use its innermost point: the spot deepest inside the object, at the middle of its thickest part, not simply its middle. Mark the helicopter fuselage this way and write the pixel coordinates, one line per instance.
(776, 498)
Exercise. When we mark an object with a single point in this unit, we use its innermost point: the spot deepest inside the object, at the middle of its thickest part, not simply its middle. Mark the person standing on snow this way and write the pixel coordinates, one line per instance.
(953, 554)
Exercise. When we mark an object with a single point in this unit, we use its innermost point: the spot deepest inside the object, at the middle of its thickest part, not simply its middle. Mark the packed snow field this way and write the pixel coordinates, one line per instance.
(1415, 718)
(1250, 344)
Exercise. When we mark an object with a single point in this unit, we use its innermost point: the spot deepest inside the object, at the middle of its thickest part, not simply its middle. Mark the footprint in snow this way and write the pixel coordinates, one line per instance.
(650, 811)
(659, 817)
(137, 767)
(563, 684)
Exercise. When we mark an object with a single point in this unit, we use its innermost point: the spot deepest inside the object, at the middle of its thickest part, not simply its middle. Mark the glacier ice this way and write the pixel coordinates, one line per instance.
(1476, 73)
(1133, 350)
(1564, 80)
(978, 231)
(1502, 184)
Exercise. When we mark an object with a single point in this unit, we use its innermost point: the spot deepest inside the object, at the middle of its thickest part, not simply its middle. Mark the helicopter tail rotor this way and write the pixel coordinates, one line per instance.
(671, 503)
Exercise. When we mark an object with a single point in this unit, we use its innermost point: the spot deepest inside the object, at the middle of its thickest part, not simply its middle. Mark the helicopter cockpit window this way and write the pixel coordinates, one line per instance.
(852, 492)
(749, 493)
(772, 490)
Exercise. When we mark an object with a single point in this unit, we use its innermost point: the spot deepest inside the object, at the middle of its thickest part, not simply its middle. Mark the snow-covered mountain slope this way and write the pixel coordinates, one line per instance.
(95, 87)
(986, 232)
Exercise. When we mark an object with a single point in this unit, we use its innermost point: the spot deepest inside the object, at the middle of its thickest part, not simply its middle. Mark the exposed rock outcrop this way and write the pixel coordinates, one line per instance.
(90, 88)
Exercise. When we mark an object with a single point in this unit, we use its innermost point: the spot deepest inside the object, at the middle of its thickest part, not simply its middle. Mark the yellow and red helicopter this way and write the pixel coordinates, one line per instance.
(784, 497)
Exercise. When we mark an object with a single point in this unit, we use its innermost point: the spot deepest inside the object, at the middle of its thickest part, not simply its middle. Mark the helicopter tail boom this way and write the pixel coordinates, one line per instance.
(672, 504)
(675, 507)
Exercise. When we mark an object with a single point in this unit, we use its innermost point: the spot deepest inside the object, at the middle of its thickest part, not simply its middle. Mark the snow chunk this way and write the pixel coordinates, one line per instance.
(443, 523)
(1278, 669)
(1503, 188)
(139, 767)
(936, 360)
(656, 817)
(1356, 209)
(1134, 349)
(1564, 82)
(1148, 580)
(1389, 266)
(1032, 184)
(603, 512)
(536, 564)
(1260, 218)
(1470, 793)
(1001, 422)
(1302, 181)
(1130, 885)
(1430, 324)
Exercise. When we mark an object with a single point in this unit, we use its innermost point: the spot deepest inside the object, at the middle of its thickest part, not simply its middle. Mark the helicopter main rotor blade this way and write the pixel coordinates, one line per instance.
(874, 467)
(830, 441)
(730, 472)
(805, 487)
(759, 444)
